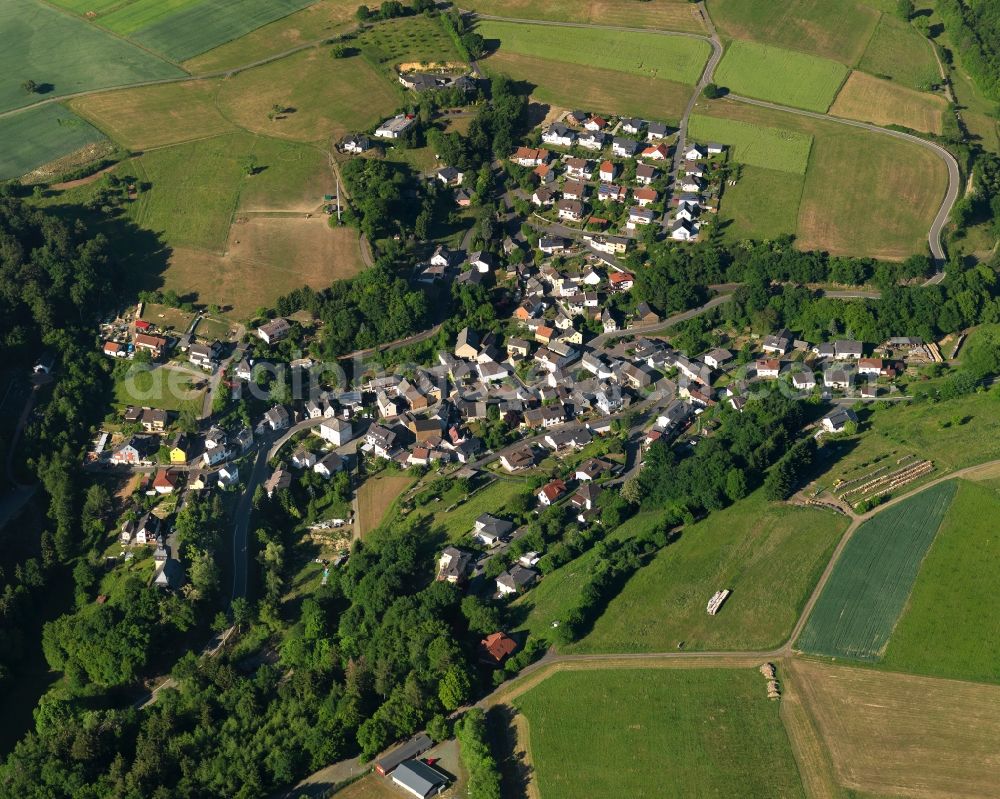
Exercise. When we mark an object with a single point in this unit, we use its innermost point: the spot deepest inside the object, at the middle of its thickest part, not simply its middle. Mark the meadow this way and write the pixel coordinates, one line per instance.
(458, 523)
(835, 29)
(673, 58)
(160, 387)
(768, 555)
(870, 583)
(376, 496)
(900, 735)
(325, 97)
(771, 148)
(320, 20)
(851, 171)
(676, 15)
(196, 27)
(743, 214)
(41, 135)
(658, 733)
(948, 629)
(64, 54)
(885, 103)
(900, 52)
(601, 90)
(154, 116)
(779, 75)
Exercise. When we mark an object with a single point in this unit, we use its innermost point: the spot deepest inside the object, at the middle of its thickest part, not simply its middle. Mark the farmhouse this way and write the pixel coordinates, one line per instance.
(394, 128)
(154, 345)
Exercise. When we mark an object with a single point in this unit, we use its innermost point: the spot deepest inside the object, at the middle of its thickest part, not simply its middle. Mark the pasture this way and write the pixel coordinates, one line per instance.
(885, 103)
(36, 137)
(64, 54)
(658, 733)
(318, 21)
(743, 214)
(196, 27)
(870, 583)
(898, 51)
(834, 29)
(324, 97)
(779, 75)
(768, 555)
(771, 148)
(154, 116)
(851, 171)
(675, 15)
(376, 496)
(947, 629)
(568, 86)
(673, 58)
(899, 735)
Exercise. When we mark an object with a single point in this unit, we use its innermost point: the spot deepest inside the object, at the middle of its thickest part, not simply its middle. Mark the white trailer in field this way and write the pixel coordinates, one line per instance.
(716, 601)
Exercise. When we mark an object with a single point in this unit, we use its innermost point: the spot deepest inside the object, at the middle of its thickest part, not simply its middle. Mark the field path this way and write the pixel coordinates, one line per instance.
(954, 179)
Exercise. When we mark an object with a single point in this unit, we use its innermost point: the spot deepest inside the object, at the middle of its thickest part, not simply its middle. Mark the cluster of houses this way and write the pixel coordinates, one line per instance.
(590, 166)
(124, 340)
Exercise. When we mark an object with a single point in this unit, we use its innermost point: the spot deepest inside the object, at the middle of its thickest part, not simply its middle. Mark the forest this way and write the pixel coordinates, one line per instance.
(974, 28)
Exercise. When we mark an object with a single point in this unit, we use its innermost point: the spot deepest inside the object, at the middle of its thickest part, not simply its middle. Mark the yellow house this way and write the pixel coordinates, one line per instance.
(180, 449)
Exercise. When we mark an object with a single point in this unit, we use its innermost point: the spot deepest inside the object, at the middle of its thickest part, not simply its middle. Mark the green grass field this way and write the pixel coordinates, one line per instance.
(771, 148)
(850, 171)
(196, 27)
(781, 76)
(457, 524)
(836, 29)
(41, 135)
(600, 90)
(746, 217)
(898, 51)
(65, 53)
(159, 388)
(132, 16)
(860, 605)
(658, 733)
(81, 7)
(672, 58)
(948, 628)
(768, 555)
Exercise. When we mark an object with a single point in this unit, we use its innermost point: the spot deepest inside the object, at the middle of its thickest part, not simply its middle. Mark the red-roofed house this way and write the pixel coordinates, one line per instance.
(608, 171)
(164, 482)
(657, 153)
(621, 281)
(496, 647)
(551, 492)
(645, 196)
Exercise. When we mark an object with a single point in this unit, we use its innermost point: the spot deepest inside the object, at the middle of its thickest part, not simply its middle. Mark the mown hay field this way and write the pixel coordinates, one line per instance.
(196, 27)
(605, 91)
(871, 582)
(771, 148)
(320, 20)
(154, 116)
(673, 58)
(949, 628)
(326, 97)
(883, 102)
(658, 733)
(835, 29)
(780, 76)
(851, 172)
(376, 496)
(768, 555)
(64, 55)
(40, 135)
(678, 15)
(900, 735)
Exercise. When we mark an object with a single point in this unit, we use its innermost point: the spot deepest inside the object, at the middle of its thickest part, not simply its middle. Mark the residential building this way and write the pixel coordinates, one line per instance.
(515, 580)
(551, 492)
(495, 648)
(453, 565)
(768, 369)
(395, 127)
(337, 431)
(837, 420)
(273, 331)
